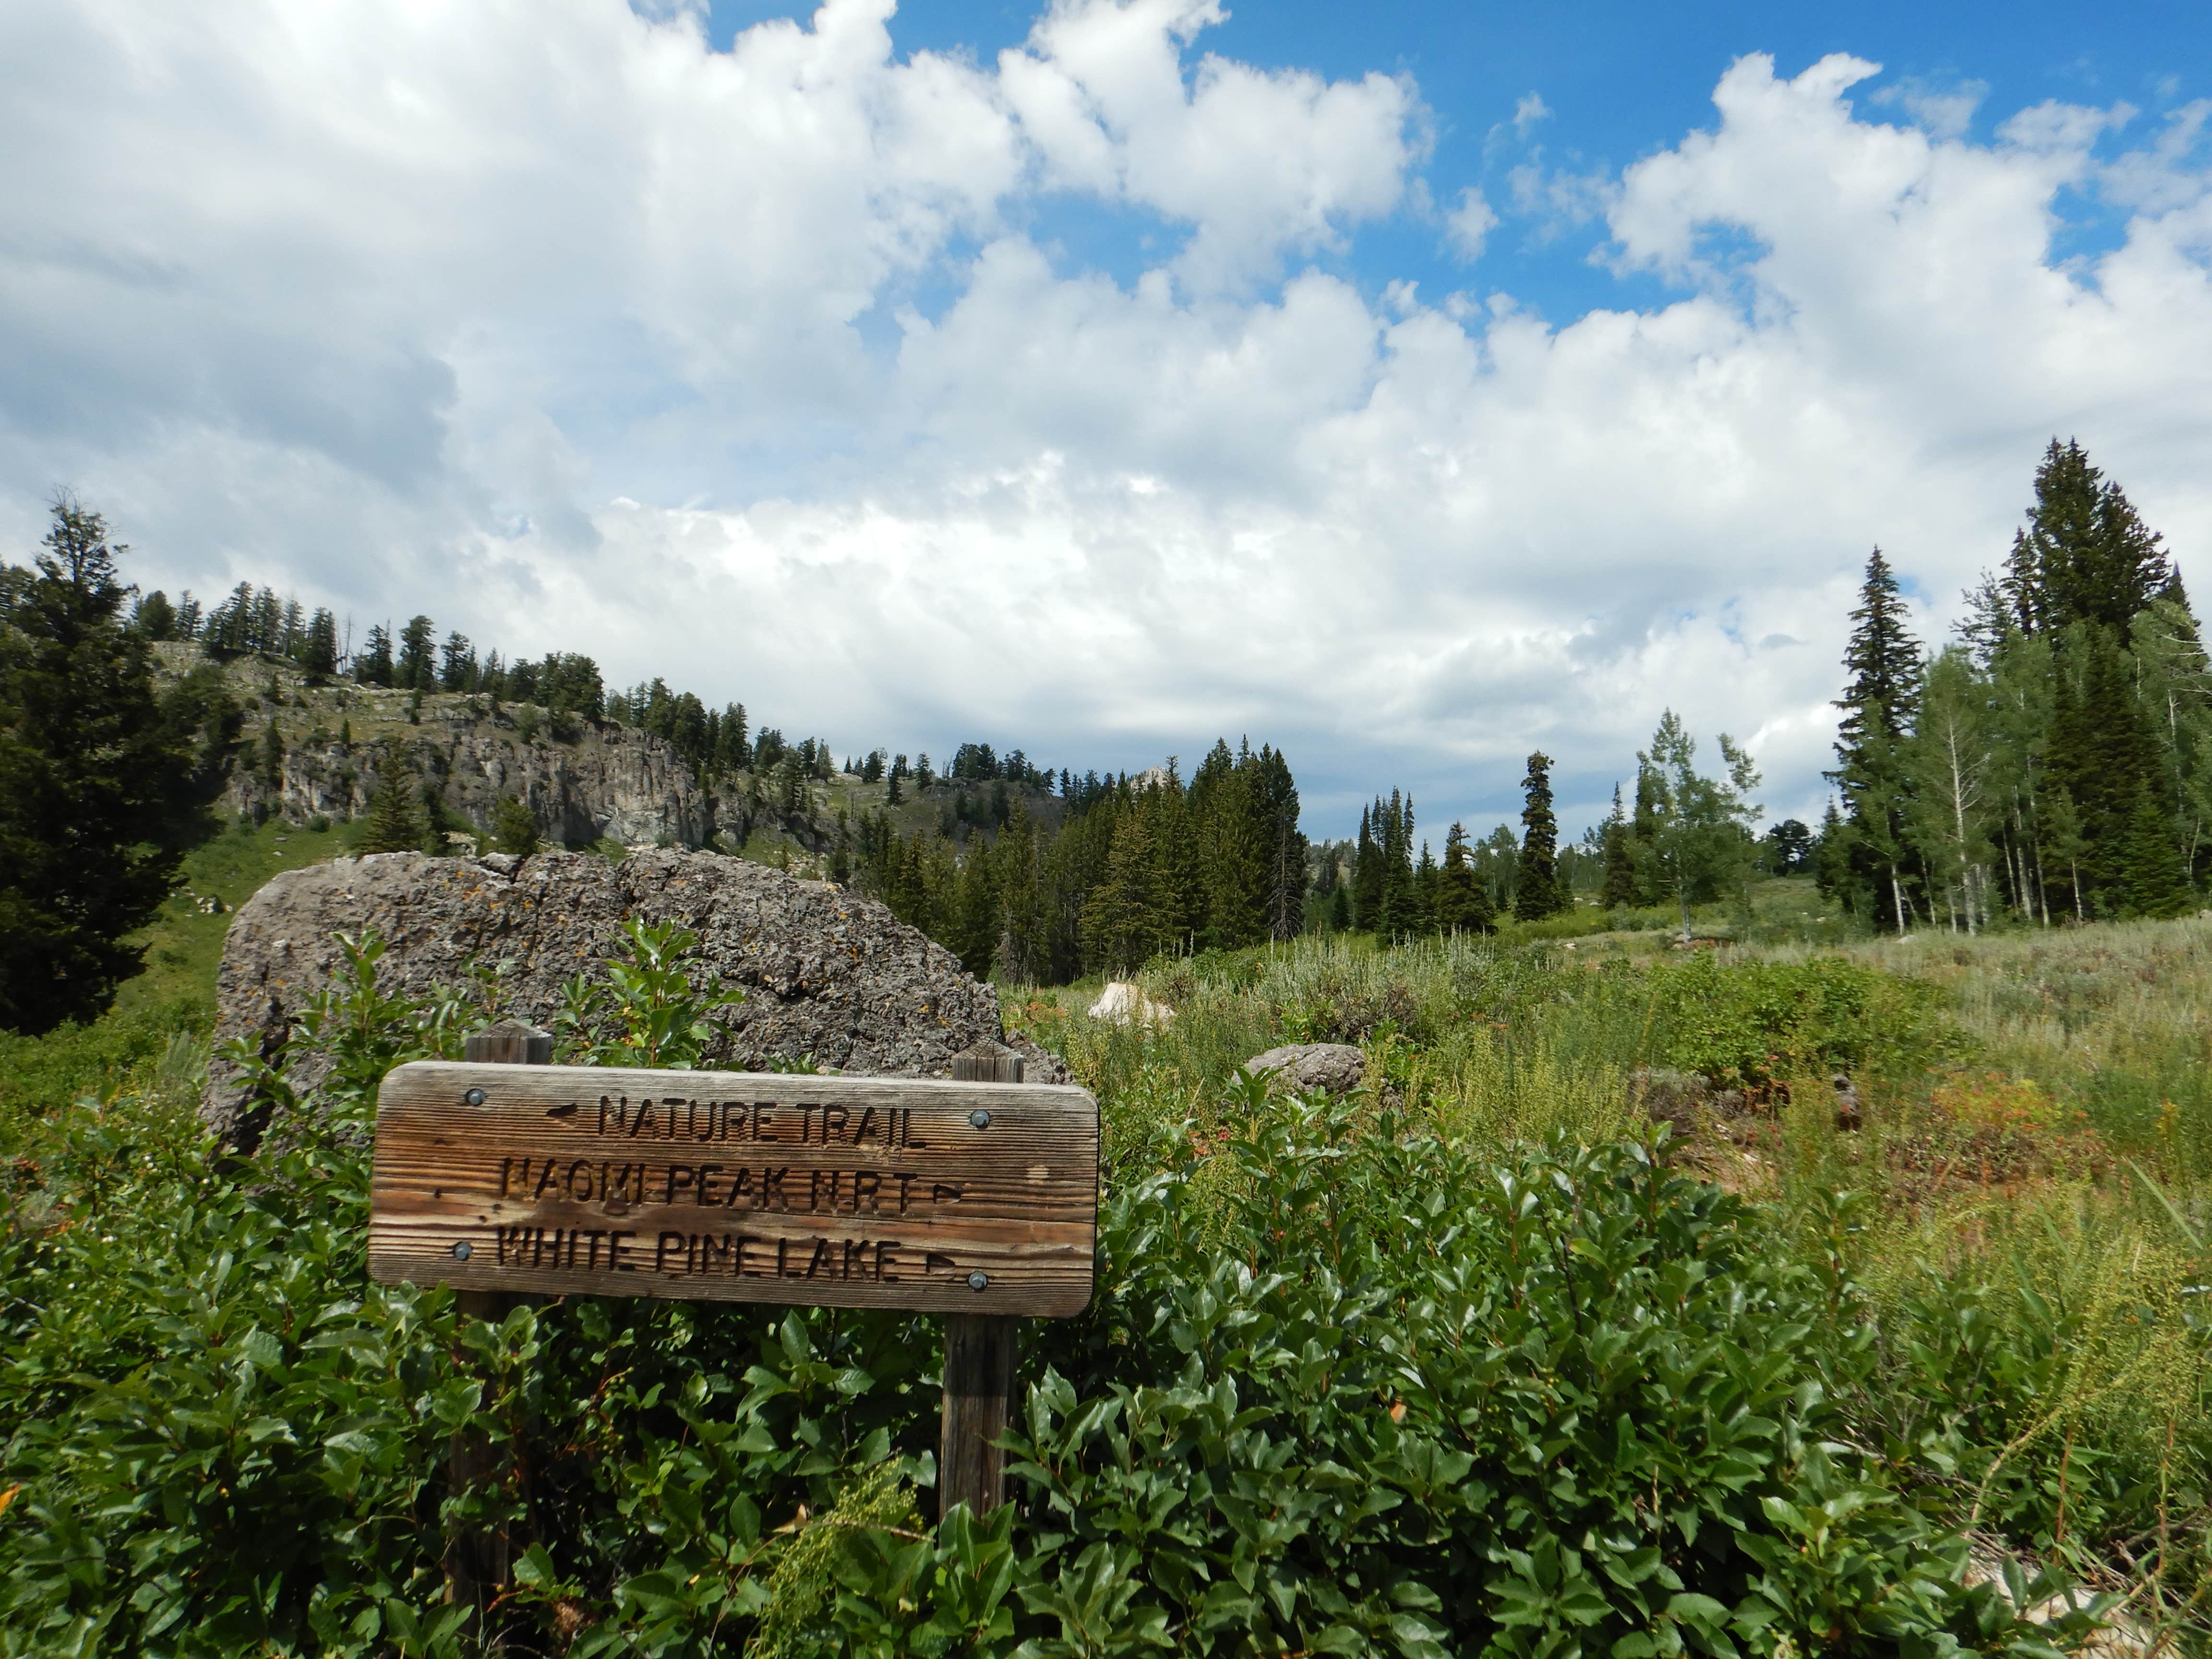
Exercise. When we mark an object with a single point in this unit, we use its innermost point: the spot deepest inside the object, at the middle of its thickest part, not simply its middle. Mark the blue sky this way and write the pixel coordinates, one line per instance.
(1617, 82)
(1409, 388)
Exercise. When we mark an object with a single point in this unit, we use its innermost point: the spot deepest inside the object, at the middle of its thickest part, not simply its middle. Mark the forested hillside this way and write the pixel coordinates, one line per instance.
(2053, 762)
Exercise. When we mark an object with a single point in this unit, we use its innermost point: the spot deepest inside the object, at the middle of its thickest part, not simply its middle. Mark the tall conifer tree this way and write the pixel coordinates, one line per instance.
(372, 665)
(1396, 913)
(395, 818)
(1367, 870)
(1462, 903)
(94, 779)
(1537, 890)
(416, 671)
(1421, 896)
(2085, 555)
(1879, 704)
(1275, 817)
(1617, 889)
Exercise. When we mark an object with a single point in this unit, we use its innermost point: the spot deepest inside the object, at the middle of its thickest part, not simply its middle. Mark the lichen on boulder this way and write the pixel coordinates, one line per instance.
(1307, 1068)
(825, 973)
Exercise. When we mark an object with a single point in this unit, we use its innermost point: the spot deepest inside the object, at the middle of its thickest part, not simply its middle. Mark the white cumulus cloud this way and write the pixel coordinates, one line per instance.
(754, 369)
(1263, 163)
(1469, 224)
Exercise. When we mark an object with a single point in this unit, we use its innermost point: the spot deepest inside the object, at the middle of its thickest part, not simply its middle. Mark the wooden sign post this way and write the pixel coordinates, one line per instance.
(979, 1356)
(476, 1564)
(976, 1198)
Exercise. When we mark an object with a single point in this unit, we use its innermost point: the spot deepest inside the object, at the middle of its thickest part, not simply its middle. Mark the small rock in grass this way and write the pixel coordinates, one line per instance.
(1307, 1068)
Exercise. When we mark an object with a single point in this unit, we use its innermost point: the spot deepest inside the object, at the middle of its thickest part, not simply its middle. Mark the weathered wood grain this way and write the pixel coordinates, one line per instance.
(818, 1190)
(979, 1357)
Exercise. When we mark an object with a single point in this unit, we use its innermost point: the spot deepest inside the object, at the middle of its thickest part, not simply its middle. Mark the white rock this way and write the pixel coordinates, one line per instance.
(1124, 1004)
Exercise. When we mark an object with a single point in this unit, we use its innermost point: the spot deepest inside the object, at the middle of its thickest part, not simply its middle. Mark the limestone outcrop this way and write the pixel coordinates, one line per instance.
(825, 972)
(613, 782)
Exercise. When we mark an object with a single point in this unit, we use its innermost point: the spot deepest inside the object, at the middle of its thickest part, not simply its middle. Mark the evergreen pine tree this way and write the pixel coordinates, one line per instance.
(1832, 876)
(1462, 903)
(435, 819)
(2078, 780)
(515, 827)
(269, 757)
(2103, 755)
(1024, 946)
(1991, 619)
(372, 665)
(1234, 862)
(1367, 870)
(975, 922)
(2085, 555)
(1122, 919)
(154, 616)
(1275, 818)
(319, 651)
(96, 780)
(415, 671)
(395, 819)
(1617, 889)
(2155, 882)
(1179, 873)
(1879, 704)
(457, 669)
(1395, 911)
(1537, 890)
(1421, 896)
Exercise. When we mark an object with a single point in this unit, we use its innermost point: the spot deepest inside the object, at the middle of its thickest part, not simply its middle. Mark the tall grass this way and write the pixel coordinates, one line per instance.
(2112, 1018)
(2018, 1209)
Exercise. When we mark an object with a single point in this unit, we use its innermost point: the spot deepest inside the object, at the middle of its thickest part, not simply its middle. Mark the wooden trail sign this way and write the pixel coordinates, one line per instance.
(958, 1197)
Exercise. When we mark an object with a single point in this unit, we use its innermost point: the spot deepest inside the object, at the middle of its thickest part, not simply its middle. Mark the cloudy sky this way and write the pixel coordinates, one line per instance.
(1409, 391)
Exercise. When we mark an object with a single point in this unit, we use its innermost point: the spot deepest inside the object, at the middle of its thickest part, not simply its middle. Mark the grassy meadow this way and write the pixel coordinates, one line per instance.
(174, 997)
(1450, 1367)
(2028, 1180)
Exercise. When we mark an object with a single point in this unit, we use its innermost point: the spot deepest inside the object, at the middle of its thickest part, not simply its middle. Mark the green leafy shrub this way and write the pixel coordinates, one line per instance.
(1345, 1388)
(646, 1011)
(1405, 1403)
(1756, 1022)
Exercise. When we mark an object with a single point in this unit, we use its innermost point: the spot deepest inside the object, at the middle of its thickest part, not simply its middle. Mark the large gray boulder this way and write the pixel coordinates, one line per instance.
(824, 972)
(1313, 1068)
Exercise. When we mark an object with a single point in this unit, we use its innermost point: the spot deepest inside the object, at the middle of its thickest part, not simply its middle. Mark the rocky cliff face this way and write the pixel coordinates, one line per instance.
(825, 973)
(611, 782)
